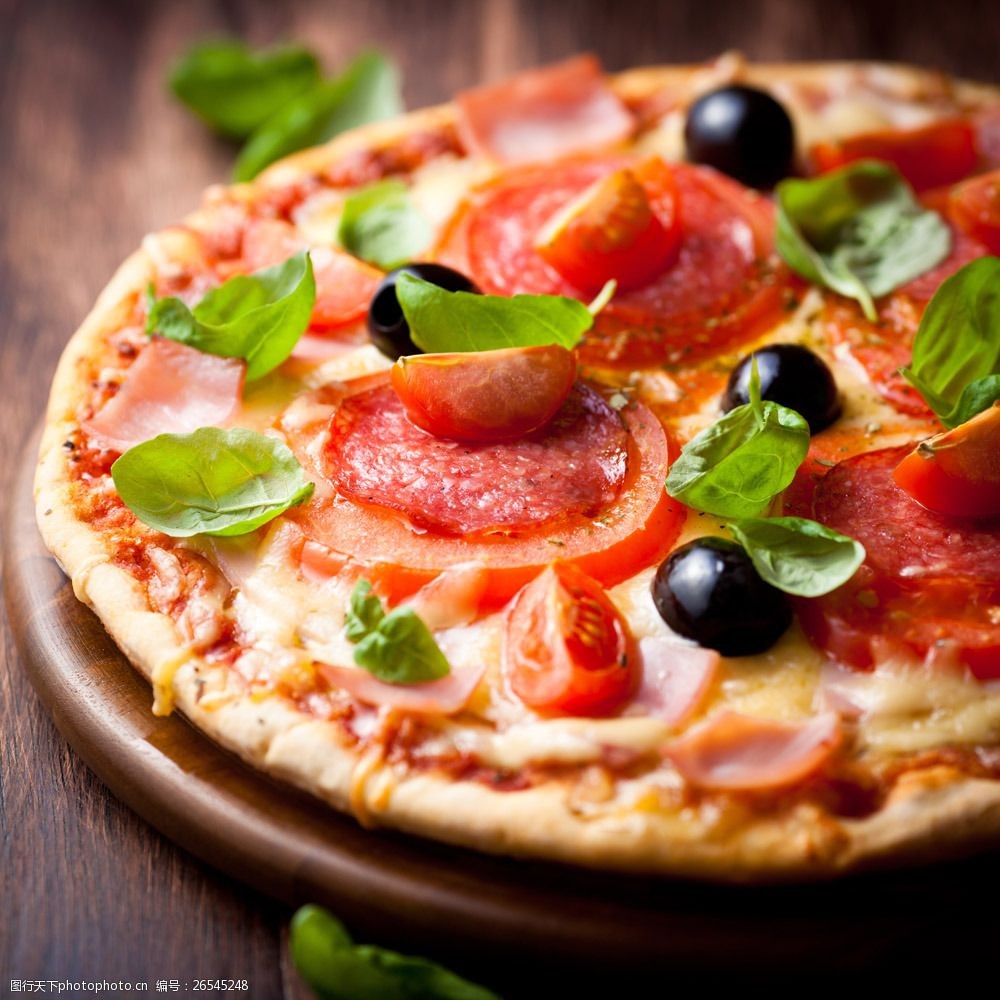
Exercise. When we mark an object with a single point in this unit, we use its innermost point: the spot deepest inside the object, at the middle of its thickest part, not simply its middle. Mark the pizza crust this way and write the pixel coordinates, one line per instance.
(931, 814)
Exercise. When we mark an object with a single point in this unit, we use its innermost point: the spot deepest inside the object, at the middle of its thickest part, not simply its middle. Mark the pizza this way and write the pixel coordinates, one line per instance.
(646, 518)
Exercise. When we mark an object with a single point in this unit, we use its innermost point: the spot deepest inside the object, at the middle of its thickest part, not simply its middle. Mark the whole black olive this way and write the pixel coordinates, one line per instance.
(387, 325)
(742, 131)
(792, 376)
(709, 591)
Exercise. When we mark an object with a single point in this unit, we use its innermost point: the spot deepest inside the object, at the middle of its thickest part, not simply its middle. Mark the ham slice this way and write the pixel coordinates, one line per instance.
(675, 678)
(737, 752)
(452, 598)
(171, 388)
(441, 697)
(543, 114)
(344, 284)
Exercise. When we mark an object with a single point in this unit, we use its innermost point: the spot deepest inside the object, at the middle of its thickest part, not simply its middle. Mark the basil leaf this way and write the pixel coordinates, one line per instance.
(258, 317)
(398, 647)
(797, 555)
(364, 613)
(212, 482)
(338, 969)
(367, 91)
(442, 321)
(380, 225)
(956, 353)
(859, 231)
(234, 89)
(737, 466)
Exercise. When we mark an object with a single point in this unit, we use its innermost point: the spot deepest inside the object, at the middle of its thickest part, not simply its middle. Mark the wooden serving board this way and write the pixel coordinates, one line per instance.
(428, 897)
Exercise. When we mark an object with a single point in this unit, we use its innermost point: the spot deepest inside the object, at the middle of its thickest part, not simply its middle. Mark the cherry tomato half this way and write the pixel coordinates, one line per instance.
(928, 157)
(623, 227)
(957, 472)
(975, 207)
(566, 647)
(485, 395)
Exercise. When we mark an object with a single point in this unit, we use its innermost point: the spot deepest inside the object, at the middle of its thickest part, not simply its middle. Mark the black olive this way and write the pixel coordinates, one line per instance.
(742, 131)
(709, 591)
(792, 376)
(387, 325)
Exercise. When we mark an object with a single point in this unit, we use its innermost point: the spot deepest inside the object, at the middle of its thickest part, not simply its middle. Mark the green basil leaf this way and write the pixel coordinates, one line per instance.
(736, 467)
(338, 969)
(956, 353)
(364, 613)
(258, 317)
(212, 482)
(442, 321)
(380, 225)
(398, 647)
(858, 231)
(367, 91)
(234, 90)
(797, 555)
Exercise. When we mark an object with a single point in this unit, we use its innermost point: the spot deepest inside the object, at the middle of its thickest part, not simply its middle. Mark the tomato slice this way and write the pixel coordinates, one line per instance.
(975, 207)
(725, 287)
(928, 157)
(635, 530)
(485, 395)
(928, 584)
(566, 648)
(957, 472)
(611, 230)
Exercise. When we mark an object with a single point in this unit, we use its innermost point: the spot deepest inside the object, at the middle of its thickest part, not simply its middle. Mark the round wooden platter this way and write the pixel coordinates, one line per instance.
(422, 895)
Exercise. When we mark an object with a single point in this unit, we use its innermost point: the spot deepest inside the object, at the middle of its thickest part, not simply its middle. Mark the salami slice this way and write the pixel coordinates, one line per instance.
(636, 529)
(724, 287)
(574, 465)
(929, 583)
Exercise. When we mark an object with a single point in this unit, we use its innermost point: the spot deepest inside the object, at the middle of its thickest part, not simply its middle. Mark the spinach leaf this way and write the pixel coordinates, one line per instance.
(338, 969)
(380, 225)
(858, 231)
(213, 482)
(797, 555)
(737, 466)
(398, 647)
(956, 353)
(441, 321)
(234, 90)
(367, 91)
(258, 317)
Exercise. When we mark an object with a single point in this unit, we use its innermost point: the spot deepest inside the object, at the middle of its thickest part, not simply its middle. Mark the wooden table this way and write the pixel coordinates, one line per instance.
(94, 154)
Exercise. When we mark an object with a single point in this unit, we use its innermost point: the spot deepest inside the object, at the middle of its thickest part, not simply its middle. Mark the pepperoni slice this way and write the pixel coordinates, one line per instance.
(574, 465)
(929, 582)
(724, 287)
(634, 529)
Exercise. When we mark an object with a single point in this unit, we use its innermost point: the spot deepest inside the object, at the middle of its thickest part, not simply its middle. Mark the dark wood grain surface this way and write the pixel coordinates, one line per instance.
(92, 155)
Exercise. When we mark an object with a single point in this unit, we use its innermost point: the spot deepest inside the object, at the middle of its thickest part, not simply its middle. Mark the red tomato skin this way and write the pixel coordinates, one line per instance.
(975, 207)
(624, 227)
(928, 157)
(958, 472)
(485, 396)
(566, 648)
